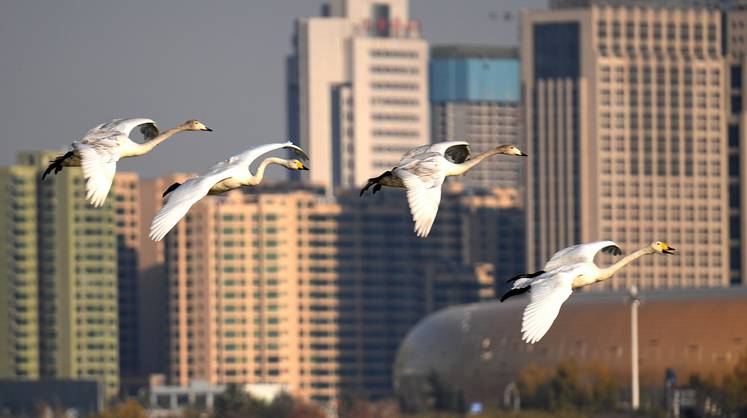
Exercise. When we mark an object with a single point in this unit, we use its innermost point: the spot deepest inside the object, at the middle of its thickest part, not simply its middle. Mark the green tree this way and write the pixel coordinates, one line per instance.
(569, 387)
(235, 403)
(735, 387)
(129, 409)
(281, 406)
(303, 409)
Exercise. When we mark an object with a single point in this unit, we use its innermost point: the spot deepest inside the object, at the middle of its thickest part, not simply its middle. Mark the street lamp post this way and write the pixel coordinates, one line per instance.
(634, 388)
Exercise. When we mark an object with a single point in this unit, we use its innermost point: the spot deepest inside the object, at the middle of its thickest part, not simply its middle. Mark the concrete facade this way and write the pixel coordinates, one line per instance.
(475, 94)
(626, 126)
(357, 89)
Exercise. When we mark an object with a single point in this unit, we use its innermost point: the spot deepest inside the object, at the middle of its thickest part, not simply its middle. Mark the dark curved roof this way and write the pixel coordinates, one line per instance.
(477, 347)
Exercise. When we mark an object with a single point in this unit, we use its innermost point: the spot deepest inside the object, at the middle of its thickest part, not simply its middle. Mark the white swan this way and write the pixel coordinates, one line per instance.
(100, 149)
(226, 175)
(569, 269)
(422, 171)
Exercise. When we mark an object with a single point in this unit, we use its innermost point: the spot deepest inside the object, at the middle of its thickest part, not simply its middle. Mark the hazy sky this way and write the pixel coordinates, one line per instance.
(68, 65)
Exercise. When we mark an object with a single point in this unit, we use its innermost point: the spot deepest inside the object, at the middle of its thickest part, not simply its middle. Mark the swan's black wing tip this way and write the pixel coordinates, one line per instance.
(515, 292)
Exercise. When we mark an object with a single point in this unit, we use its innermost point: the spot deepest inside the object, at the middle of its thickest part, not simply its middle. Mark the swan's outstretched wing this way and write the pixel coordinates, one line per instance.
(423, 179)
(581, 253)
(248, 156)
(412, 153)
(181, 199)
(547, 296)
(456, 151)
(99, 153)
(148, 127)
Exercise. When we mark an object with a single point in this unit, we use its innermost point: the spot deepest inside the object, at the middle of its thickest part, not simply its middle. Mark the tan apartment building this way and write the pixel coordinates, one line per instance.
(284, 285)
(357, 89)
(627, 132)
(235, 272)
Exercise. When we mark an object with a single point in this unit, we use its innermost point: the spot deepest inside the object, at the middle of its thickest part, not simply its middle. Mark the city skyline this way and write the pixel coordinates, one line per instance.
(632, 118)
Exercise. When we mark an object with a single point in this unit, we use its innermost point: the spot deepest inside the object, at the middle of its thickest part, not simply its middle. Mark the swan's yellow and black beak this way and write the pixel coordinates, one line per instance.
(523, 154)
(207, 129)
(666, 249)
(300, 166)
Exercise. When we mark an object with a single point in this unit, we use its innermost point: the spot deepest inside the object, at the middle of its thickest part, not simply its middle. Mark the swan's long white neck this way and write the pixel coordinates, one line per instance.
(607, 272)
(459, 169)
(260, 174)
(146, 147)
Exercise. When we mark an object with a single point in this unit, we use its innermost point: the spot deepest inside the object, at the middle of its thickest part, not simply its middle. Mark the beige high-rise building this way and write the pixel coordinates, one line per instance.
(238, 306)
(357, 89)
(626, 128)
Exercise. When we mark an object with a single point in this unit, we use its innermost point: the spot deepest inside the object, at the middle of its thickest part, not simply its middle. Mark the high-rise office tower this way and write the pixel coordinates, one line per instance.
(357, 89)
(71, 298)
(475, 94)
(626, 128)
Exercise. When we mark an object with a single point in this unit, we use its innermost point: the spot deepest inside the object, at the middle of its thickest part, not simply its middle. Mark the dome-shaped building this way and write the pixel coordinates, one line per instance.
(474, 352)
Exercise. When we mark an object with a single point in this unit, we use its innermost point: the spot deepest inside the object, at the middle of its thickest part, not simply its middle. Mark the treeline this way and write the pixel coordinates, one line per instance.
(569, 391)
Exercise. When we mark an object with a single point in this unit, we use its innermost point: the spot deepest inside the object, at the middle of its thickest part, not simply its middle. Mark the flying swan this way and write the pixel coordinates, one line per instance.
(224, 176)
(569, 269)
(422, 171)
(100, 149)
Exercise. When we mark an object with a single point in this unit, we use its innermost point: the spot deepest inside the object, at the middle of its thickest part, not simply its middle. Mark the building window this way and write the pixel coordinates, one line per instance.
(736, 104)
(380, 17)
(557, 51)
(733, 135)
(736, 77)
